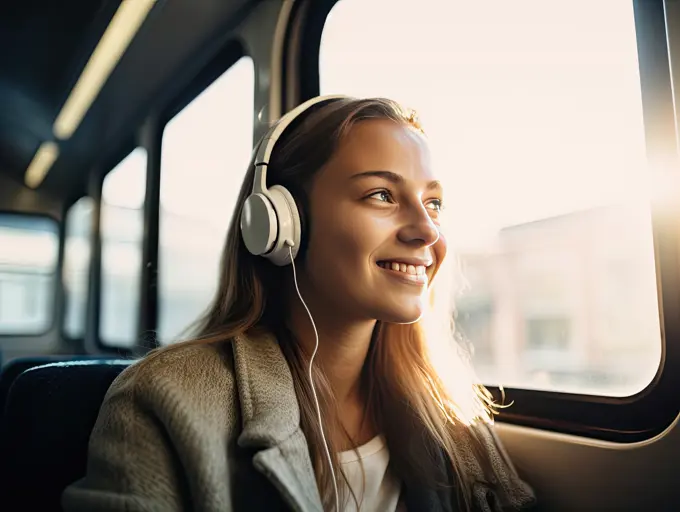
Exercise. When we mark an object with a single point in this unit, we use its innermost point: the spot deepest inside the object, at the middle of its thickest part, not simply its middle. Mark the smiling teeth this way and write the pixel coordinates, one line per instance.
(403, 267)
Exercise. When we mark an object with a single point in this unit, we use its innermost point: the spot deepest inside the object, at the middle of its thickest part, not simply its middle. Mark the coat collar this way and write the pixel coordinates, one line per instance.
(271, 424)
(271, 420)
(269, 406)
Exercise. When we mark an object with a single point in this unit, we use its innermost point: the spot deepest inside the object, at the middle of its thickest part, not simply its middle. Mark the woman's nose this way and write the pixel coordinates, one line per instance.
(420, 229)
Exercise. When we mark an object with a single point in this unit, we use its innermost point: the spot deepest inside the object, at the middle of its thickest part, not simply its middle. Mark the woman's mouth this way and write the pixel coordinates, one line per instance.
(406, 272)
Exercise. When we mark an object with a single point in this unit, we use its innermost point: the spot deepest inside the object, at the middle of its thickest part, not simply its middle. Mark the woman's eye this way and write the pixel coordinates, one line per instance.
(382, 195)
(435, 204)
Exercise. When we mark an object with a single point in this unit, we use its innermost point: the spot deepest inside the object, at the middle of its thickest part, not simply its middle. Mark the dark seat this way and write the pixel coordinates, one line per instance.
(16, 367)
(10, 372)
(49, 415)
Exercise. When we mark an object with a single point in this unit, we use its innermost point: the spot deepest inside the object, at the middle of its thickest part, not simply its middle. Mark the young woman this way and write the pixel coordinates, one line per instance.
(312, 383)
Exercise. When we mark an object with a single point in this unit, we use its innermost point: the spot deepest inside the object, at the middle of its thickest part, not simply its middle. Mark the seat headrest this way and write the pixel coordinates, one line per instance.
(16, 367)
(49, 415)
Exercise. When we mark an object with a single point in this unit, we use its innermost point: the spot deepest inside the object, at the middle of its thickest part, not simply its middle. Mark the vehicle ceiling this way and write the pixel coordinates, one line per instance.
(46, 45)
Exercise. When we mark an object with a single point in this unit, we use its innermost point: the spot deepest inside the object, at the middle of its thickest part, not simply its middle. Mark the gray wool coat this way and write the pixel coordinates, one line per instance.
(217, 428)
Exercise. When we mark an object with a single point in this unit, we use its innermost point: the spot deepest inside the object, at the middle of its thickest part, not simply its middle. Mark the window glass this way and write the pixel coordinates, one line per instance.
(205, 154)
(77, 253)
(122, 228)
(28, 261)
(534, 117)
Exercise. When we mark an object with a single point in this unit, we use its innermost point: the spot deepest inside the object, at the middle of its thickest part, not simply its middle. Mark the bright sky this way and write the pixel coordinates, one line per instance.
(207, 147)
(532, 108)
(125, 184)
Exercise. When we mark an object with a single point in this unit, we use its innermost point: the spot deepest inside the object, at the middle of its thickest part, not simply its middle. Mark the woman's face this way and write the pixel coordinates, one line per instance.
(374, 241)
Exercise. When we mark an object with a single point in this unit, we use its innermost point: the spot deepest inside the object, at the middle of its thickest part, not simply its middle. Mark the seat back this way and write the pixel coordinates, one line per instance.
(16, 367)
(11, 371)
(49, 415)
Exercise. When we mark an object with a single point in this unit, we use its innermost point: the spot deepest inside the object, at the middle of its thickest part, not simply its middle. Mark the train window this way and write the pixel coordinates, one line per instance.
(122, 226)
(205, 153)
(534, 116)
(75, 272)
(28, 261)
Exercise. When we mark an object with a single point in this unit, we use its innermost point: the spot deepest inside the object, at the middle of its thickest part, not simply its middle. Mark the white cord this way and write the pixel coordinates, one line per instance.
(311, 381)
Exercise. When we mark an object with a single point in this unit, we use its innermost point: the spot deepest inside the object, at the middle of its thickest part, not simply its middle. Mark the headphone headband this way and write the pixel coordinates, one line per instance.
(266, 147)
(270, 221)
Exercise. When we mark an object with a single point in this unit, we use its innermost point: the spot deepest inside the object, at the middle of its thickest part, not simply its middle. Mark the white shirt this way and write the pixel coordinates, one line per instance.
(376, 489)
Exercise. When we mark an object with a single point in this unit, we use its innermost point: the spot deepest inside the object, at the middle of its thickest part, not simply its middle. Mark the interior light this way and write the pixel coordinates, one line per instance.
(122, 28)
(41, 163)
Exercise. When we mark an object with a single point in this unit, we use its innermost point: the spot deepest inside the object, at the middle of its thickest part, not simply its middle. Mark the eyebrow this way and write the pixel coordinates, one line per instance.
(391, 176)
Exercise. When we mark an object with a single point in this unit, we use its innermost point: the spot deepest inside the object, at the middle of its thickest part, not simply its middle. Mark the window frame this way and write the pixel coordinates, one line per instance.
(618, 419)
(55, 320)
(91, 341)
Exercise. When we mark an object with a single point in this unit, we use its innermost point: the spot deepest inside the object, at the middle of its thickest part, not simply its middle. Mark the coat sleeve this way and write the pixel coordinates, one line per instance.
(131, 465)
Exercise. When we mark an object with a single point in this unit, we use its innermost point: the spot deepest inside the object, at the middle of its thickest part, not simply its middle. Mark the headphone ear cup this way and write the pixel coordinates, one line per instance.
(259, 226)
(288, 224)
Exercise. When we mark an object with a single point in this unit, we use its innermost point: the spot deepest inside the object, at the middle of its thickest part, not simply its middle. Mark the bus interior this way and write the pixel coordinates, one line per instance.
(126, 127)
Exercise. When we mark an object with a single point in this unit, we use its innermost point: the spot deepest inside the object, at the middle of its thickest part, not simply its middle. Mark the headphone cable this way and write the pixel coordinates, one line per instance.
(311, 380)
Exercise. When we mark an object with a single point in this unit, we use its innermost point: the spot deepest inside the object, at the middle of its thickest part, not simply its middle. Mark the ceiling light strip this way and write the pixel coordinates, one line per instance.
(44, 158)
(117, 37)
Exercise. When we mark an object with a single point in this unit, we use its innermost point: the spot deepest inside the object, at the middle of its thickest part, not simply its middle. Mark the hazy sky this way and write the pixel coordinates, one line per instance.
(533, 108)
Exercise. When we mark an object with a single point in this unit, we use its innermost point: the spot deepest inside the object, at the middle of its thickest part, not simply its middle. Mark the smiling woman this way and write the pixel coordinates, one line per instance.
(396, 211)
(313, 386)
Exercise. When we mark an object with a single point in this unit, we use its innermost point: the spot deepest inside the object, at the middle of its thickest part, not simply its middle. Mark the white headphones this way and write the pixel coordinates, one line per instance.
(270, 221)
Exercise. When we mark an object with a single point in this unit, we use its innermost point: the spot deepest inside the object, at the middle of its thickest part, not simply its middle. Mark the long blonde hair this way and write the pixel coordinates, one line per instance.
(421, 409)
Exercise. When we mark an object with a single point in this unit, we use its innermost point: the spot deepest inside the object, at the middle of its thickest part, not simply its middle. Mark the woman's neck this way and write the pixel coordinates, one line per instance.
(342, 352)
(343, 347)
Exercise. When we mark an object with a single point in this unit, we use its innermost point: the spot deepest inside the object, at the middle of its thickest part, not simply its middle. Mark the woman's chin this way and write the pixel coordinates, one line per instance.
(403, 315)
